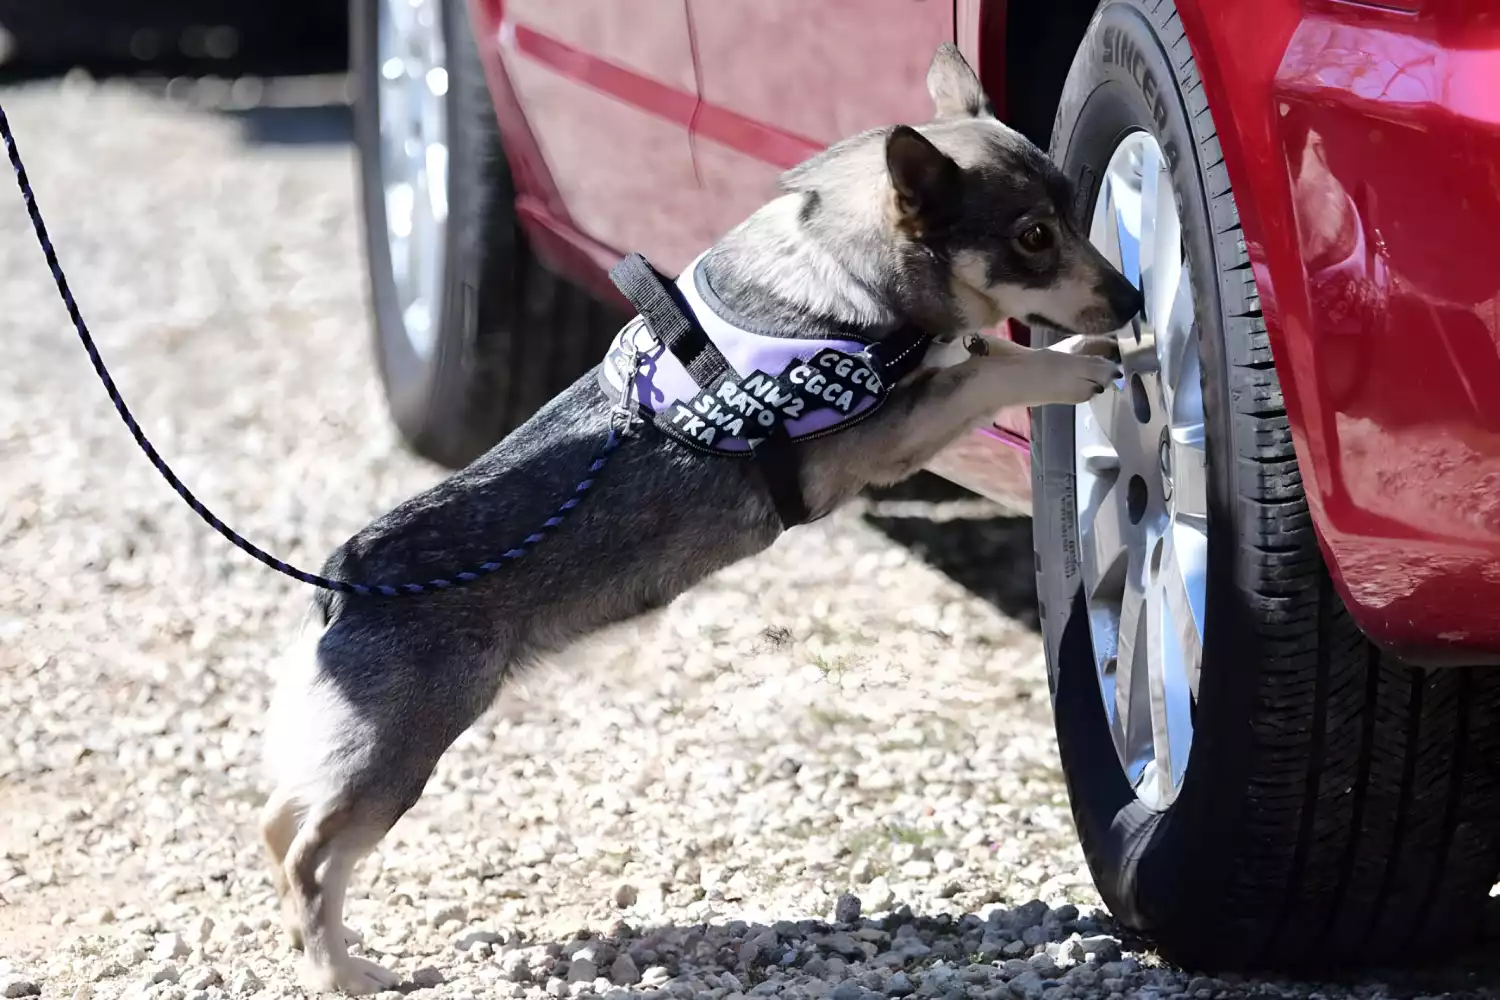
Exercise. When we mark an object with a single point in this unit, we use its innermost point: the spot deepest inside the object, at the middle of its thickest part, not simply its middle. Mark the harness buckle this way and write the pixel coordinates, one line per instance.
(625, 415)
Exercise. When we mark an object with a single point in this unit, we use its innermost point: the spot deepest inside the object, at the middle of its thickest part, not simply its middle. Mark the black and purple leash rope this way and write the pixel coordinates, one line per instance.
(460, 579)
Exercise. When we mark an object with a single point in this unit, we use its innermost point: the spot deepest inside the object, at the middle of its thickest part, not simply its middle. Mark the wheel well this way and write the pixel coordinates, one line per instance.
(1040, 40)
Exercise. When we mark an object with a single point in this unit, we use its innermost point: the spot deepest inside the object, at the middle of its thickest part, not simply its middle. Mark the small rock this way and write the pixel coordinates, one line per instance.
(129, 956)
(1044, 965)
(843, 944)
(84, 992)
(917, 868)
(164, 972)
(108, 970)
(15, 986)
(1034, 936)
(104, 915)
(846, 910)
(655, 975)
(556, 987)
(1028, 914)
(1027, 986)
(453, 913)
(427, 977)
(878, 895)
(1101, 946)
(945, 861)
(1066, 913)
(202, 929)
(899, 985)
(516, 966)
(1014, 949)
(201, 978)
(849, 989)
(582, 970)
(469, 939)
(168, 947)
(625, 895)
(623, 972)
(244, 982)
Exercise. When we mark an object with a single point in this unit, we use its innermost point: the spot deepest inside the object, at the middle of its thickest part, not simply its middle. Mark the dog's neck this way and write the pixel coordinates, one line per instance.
(809, 272)
(772, 274)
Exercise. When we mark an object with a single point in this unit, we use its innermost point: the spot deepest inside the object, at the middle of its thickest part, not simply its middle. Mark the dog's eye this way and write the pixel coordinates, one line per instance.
(1035, 239)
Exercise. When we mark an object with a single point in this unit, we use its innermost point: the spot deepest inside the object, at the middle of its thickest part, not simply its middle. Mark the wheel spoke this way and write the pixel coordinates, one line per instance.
(1147, 222)
(1102, 534)
(1182, 568)
(1161, 281)
(1104, 226)
(1095, 430)
(1132, 673)
(1158, 651)
(1176, 345)
(1125, 202)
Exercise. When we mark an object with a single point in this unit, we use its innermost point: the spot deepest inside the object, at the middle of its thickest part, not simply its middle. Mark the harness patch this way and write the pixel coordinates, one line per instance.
(766, 386)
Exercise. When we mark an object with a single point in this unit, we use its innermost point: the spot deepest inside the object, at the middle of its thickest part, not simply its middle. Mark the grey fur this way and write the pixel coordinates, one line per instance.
(377, 690)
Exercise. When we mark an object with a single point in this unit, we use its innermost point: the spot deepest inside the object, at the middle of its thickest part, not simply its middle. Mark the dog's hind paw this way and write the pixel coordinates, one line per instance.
(354, 976)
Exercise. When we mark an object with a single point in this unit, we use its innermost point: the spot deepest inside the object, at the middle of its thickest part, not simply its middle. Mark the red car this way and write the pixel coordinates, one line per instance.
(1268, 564)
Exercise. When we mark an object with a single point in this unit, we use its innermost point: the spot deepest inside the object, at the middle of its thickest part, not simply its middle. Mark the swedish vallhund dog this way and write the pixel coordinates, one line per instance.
(944, 229)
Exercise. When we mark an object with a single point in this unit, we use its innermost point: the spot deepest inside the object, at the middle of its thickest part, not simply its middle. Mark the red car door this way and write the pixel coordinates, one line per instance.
(782, 78)
(608, 89)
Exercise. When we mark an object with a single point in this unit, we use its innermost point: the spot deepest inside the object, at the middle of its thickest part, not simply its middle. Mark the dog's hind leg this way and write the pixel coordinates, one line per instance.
(279, 819)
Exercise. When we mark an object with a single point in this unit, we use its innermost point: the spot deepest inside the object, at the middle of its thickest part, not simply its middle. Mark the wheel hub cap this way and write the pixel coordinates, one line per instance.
(1142, 493)
(413, 87)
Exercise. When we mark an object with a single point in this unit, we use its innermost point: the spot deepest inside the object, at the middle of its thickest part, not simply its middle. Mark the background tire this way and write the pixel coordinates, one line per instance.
(1337, 807)
(510, 334)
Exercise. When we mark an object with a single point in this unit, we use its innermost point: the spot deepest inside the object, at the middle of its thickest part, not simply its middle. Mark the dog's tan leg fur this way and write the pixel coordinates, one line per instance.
(278, 827)
(317, 868)
(941, 404)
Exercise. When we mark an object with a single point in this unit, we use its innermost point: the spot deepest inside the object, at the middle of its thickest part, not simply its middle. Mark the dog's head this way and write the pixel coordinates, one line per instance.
(969, 221)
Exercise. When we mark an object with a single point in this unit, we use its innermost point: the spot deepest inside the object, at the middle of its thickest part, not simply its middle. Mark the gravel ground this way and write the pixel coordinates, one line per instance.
(845, 787)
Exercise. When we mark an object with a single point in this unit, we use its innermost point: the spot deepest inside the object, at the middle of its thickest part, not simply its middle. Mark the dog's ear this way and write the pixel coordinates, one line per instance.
(925, 182)
(955, 90)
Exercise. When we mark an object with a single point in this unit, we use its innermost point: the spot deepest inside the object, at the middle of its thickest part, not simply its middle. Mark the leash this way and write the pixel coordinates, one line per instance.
(467, 576)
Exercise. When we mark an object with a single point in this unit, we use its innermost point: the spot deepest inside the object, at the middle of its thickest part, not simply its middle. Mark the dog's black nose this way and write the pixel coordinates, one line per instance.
(1124, 298)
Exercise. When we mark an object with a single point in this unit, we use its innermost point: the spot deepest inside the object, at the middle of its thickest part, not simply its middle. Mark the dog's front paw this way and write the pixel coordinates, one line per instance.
(1085, 377)
(1100, 346)
(354, 976)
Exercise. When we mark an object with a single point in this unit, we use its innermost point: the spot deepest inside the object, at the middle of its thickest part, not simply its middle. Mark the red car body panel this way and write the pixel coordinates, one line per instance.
(1363, 142)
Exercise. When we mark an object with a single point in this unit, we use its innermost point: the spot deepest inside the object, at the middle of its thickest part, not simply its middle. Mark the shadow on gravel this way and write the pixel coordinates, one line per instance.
(990, 555)
(1026, 951)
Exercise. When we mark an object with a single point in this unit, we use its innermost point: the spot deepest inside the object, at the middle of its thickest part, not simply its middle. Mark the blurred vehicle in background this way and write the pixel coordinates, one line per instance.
(174, 36)
(1265, 562)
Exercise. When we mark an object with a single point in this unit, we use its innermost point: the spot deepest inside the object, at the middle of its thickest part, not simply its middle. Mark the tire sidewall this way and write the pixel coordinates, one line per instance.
(1154, 869)
(426, 395)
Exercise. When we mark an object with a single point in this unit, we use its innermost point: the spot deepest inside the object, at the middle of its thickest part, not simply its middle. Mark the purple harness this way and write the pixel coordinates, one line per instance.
(808, 388)
(724, 390)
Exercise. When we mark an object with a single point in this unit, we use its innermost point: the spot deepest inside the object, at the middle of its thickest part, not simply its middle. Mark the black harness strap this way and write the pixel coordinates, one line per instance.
(671, 322)
(661, 305)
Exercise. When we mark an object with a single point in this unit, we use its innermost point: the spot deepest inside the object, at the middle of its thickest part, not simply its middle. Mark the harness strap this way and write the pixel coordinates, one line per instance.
(666, 313)
(671, 322)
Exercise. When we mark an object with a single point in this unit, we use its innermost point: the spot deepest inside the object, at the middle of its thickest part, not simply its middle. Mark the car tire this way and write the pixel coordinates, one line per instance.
(1337, 807)
(509, 334)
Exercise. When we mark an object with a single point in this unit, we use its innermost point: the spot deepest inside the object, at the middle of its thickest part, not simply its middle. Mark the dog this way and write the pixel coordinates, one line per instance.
(949, 227)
